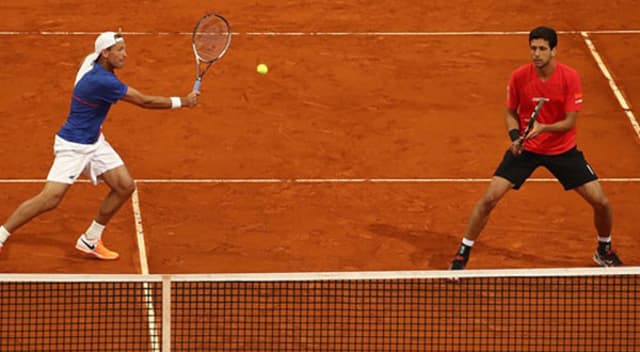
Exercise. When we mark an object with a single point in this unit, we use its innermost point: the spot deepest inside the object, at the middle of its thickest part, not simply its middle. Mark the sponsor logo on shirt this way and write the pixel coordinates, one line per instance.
(537, 99)
(578, 98)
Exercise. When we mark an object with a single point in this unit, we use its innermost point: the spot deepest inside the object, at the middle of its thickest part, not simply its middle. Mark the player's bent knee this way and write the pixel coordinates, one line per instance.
(601, 203)
(488, 202)
(131, 188)
(126, 188)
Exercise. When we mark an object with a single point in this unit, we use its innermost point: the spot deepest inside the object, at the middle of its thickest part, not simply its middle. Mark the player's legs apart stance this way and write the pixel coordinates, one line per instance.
(122, 186)
(498, 187)
(593, 193)
(48, 199)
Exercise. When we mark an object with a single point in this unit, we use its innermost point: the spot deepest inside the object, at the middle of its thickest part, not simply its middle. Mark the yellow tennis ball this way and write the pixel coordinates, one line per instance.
(262, 69)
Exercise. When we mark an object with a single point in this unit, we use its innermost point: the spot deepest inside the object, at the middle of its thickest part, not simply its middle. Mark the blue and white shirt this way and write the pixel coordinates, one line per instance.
(92, 98)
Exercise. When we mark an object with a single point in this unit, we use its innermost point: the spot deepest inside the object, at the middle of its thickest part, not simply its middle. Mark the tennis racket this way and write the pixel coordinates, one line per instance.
(532, 119)
(211, 39)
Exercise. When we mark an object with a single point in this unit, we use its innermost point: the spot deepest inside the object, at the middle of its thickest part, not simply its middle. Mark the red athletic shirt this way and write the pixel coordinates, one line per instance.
(564, 91)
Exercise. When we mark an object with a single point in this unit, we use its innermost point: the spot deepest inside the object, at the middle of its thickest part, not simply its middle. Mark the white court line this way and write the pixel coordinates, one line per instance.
(137, 217)
(154, 339)
(612, 83)
(310, 180)
(333, 34)
(144, 270)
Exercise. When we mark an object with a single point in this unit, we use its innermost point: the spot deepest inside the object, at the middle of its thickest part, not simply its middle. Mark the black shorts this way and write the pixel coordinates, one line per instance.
(570, 168)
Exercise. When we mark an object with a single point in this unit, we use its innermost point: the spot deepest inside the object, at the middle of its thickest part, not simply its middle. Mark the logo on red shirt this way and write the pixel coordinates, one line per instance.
(578, 98)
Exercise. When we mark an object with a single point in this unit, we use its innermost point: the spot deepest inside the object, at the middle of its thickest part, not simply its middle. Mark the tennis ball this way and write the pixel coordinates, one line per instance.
(262, 69)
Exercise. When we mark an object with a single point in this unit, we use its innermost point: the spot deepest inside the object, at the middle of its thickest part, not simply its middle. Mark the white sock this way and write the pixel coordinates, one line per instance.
(94, 232)
(4, 234)
(604, 239)
(468, 243)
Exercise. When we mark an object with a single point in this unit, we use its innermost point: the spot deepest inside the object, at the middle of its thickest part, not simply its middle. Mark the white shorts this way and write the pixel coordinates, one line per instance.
(73, 159)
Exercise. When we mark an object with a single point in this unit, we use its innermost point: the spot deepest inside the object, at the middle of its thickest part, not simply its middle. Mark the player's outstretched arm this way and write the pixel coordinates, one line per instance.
(135, 97)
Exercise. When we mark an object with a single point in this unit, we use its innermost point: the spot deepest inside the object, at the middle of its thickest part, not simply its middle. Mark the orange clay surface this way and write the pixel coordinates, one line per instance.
(331, 107)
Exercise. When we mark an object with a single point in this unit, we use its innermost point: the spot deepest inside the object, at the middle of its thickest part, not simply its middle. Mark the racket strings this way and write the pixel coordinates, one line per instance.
(211, 38)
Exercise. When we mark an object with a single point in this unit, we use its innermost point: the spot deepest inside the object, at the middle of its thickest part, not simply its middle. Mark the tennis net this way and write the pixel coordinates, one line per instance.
(582, 309)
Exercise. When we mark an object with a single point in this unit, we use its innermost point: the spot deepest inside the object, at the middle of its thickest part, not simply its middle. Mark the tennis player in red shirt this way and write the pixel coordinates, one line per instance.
(551, 142)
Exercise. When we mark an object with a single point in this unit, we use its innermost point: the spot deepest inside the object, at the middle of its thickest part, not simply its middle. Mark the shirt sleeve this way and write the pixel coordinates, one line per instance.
(513, 99)
(112, 90)
(573, 99)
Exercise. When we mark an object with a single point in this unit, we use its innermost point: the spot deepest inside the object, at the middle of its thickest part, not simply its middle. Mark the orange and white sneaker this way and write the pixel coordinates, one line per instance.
(98, 249)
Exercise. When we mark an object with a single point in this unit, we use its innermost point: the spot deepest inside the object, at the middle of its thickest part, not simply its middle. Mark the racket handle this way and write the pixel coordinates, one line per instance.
(196, 86)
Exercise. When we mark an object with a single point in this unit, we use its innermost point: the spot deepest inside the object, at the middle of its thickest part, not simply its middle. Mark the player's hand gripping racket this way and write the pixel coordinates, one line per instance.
(211, 39)
(532, 119)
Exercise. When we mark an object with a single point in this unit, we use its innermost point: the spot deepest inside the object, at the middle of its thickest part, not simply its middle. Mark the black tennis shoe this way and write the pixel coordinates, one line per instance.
(458, 262)
(461, 258)
(606, 258)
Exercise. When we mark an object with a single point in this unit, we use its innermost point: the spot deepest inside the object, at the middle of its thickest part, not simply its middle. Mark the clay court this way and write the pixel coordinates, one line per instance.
(284, 172)
(364, 148)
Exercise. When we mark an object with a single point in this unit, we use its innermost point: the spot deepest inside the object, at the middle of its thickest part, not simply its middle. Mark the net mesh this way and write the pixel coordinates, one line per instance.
(473, 314)
(211, 37)
(78, 316)
(345, 313)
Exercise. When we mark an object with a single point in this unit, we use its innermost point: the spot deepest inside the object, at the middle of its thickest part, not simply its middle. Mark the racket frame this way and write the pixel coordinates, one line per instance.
(199, 60)
(534, 116)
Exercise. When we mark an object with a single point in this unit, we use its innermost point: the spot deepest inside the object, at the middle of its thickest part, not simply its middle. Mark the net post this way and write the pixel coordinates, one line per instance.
(166, 313)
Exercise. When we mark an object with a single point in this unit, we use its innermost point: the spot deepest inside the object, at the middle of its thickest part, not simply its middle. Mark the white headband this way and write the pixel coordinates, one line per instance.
(104, 41)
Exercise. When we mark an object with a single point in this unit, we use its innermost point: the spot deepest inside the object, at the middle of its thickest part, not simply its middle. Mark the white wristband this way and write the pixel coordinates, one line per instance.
(175, 102)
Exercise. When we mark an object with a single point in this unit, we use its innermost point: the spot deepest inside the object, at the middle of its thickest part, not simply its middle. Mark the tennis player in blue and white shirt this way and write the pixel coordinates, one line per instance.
(81, 148)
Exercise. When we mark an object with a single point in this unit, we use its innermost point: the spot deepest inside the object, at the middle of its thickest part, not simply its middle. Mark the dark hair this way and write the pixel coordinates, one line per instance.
(546, 33)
